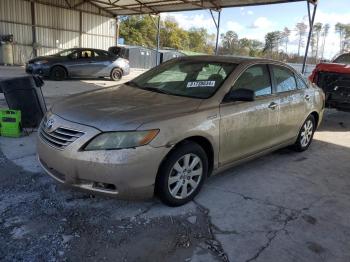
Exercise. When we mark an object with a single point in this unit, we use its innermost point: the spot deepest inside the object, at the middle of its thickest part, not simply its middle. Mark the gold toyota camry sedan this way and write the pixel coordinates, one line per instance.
(170, 128)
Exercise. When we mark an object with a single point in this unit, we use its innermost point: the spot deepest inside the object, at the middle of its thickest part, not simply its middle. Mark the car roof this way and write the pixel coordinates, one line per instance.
(234, 60)
(87, 48)
(228, 59)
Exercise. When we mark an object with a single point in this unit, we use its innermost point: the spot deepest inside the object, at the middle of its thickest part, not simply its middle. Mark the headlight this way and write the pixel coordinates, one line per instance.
(41, 62)
(120, 140)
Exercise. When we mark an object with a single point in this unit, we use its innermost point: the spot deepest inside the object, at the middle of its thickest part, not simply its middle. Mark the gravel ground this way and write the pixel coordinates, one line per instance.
(42, 221)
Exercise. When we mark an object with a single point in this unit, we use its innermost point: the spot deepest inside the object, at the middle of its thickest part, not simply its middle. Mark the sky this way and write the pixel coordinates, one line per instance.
(255, 21)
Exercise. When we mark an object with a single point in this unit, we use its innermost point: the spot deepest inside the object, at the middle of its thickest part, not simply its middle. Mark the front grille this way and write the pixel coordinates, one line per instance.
(59, 138)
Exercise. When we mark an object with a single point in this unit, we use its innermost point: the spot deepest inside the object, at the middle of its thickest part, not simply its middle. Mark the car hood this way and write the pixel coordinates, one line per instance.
(48, 58)
(334, 68)
(122, 108)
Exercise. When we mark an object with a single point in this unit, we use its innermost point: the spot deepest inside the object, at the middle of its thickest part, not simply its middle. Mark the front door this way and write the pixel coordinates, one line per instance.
(247, 128)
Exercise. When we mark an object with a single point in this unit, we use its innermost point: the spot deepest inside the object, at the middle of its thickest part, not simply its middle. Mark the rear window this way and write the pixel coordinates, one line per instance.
(343, 59)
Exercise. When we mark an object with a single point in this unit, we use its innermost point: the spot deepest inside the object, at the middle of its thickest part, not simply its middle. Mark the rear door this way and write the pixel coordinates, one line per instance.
(87, 65)
(102, 63)
(292, 101)
(247, 128)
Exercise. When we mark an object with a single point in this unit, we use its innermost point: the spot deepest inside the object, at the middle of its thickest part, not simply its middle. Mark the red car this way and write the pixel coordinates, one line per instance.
(334, 79)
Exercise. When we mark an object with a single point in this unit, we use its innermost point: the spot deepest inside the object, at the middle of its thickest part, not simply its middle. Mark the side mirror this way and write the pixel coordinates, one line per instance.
(241, 94)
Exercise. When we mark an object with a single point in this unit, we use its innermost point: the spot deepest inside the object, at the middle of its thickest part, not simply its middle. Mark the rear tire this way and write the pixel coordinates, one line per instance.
(306, 134)
(182, 174)
(58, 73)
(116, 74)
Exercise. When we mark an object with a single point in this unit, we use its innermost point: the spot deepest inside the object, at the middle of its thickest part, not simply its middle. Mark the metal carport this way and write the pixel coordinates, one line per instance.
(136, 7)
(78, 21)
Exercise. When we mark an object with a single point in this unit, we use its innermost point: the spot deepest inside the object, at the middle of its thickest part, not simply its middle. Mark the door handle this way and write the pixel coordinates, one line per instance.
(273, 106)
(307, 98)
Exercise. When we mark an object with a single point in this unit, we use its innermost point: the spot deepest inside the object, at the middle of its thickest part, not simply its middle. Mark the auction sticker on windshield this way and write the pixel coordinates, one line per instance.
(201, 84)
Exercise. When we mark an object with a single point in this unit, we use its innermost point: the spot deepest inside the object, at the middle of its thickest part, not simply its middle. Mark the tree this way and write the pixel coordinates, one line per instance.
(138, 30)
(346, 37)
(325, 33)
(255, 47)
(142, 30)
(171, 35)
(272, 43)
(340, 29)
(286, 34)
(229, 42)
(249, 47)
(301, 32)
(200, 40)
(317, 31)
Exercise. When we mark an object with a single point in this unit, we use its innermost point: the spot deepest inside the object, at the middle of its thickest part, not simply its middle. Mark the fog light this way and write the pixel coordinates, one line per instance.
(104, 186)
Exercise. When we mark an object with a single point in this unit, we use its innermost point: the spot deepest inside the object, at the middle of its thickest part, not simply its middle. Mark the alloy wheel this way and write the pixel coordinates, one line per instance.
(306, 133)
(185, 176)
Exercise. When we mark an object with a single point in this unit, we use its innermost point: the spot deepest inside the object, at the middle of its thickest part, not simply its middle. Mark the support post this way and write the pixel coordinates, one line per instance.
(80, 29)
(116, 30)
(34, 44)
(158, 41)
(217, 34)
(311, 26)
(217, 25)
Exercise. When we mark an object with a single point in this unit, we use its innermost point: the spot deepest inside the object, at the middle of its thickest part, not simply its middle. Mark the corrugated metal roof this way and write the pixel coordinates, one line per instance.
(133, 7)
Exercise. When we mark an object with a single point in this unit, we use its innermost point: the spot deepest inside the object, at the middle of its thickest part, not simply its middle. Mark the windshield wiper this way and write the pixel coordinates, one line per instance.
(154, 89)
(132, 83)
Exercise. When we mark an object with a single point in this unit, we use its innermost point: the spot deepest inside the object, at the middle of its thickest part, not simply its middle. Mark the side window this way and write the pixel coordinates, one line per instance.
(300, 83)
(73, 55)
(87, 54)
(102, 53)
(256, 78)
(284, 78)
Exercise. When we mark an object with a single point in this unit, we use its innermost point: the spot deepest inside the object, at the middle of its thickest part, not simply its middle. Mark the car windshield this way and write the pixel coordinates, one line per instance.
(65, 52)
(343, 59)
(185, 78)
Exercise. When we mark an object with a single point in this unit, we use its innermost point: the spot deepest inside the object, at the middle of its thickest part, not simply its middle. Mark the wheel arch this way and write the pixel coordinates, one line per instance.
(316, 117)
(59, 65)
(116, 67)
(201, 141)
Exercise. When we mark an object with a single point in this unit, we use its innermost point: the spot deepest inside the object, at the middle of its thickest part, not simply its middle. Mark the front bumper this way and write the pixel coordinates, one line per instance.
(126, 173)
(34, 69)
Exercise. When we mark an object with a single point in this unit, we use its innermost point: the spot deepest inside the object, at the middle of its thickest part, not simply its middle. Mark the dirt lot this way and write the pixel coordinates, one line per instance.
(285, 206)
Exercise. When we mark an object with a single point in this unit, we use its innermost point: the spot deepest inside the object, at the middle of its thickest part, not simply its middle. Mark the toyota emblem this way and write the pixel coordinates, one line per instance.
(49, 123)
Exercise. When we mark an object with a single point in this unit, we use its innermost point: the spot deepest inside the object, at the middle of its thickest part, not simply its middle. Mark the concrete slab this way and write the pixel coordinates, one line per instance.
(55, 90)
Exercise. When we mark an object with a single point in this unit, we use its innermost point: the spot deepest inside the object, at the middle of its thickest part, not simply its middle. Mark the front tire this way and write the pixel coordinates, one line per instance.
(58, 73)
(116, 74)
(306, 135)
(182, 174)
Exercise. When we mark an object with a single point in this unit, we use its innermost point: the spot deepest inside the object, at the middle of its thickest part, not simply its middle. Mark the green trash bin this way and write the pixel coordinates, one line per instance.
(10, 122)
